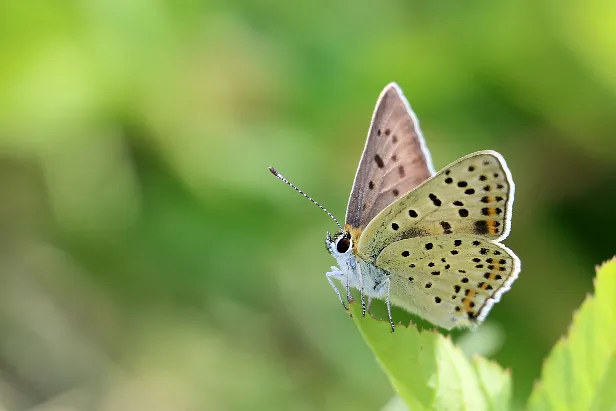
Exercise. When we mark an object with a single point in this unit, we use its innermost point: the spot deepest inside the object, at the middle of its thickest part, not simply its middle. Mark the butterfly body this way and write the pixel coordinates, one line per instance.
(357, 272)
(427, 242)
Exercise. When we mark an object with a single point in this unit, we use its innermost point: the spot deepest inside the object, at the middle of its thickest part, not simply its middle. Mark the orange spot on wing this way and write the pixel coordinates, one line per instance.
(492, 226)
(468, 300)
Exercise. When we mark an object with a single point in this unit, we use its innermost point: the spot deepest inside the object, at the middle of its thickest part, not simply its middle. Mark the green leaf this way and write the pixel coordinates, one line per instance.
(580, 372)
(429, 372)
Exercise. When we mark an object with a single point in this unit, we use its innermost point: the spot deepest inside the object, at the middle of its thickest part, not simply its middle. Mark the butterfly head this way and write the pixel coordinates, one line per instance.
(339, 244)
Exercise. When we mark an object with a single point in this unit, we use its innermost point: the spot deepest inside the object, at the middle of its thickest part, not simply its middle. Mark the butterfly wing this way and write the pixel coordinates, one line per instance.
(473, 195)
(395, 159)
(451, 280)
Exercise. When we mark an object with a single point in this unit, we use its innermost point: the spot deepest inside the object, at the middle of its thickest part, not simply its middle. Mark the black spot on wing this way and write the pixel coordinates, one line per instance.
(481, 227)
(435, 200)
(379, 161)
(446, 227)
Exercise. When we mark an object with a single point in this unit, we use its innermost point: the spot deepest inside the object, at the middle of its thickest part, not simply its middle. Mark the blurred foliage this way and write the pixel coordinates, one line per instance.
(150, 261)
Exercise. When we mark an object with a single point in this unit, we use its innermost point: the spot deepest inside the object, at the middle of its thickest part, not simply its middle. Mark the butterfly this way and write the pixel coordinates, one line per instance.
(424, 241)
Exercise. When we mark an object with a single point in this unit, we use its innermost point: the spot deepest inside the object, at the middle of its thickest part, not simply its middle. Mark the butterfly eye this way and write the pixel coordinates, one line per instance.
(343, 245)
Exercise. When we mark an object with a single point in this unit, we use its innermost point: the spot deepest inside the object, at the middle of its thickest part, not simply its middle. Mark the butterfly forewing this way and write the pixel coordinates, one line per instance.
(394, 161)
(451, 280)
(473, 195)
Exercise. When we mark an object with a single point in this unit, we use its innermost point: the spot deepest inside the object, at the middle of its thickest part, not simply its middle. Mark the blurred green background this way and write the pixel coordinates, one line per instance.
(148, 259)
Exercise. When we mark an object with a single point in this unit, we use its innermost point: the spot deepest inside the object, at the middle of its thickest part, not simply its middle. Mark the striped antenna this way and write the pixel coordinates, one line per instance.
(284, 180)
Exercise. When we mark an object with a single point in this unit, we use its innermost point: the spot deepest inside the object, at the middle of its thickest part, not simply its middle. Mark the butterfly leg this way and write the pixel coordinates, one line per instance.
(362, 295)
(361, 292)
(338, 275)
(388, 303)
(363, 303)
(347, 286)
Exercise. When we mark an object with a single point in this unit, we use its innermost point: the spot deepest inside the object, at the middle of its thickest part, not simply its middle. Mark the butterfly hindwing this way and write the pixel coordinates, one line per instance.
(451, 280)
(473, 195)
(395, 159)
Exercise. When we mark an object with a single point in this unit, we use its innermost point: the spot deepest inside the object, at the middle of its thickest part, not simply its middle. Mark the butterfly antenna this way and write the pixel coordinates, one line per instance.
(284, 180)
